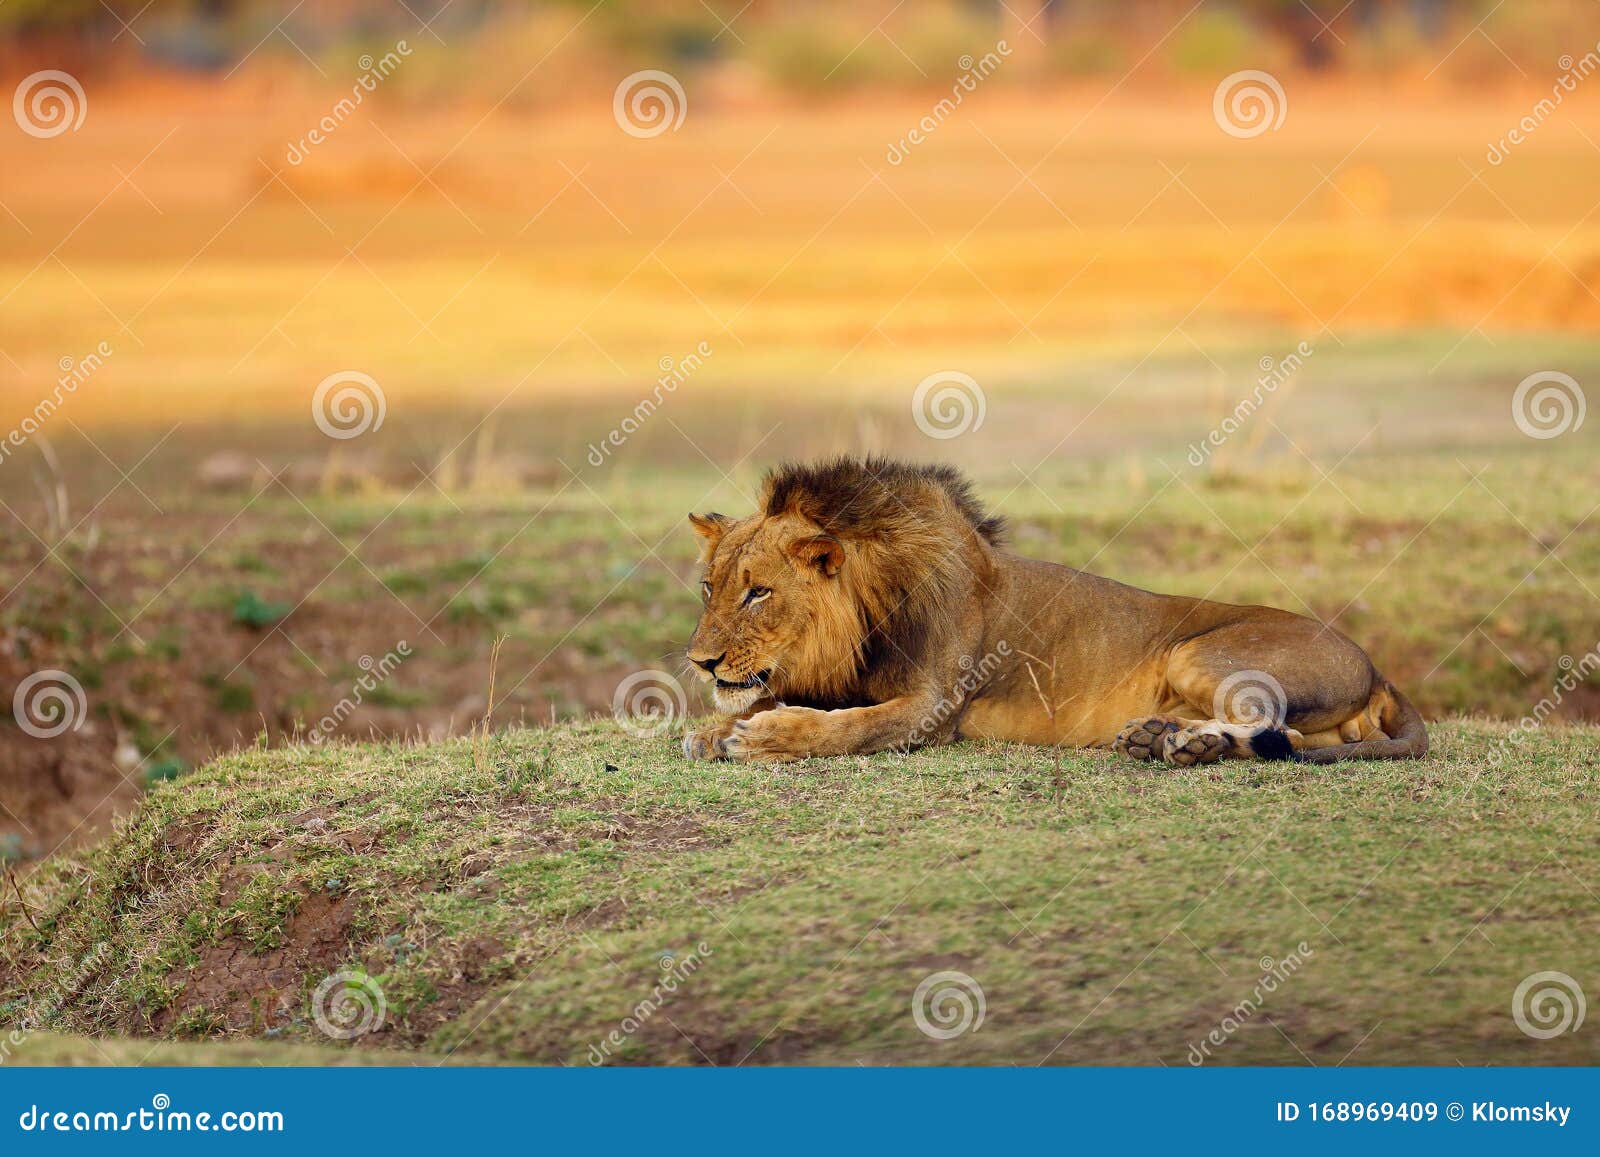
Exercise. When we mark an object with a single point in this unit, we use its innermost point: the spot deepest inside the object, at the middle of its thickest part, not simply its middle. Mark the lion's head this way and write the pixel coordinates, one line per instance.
(837, 577)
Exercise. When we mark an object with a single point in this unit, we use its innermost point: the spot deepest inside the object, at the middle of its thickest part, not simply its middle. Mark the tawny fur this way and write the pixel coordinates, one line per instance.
(872, 604)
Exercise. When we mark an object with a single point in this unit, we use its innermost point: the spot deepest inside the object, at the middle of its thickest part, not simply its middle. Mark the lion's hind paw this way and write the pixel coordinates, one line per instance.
(1142, 738)
(1201, 743)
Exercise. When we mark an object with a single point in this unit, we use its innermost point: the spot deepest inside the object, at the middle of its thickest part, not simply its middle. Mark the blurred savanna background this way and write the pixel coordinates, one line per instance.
(350, 336)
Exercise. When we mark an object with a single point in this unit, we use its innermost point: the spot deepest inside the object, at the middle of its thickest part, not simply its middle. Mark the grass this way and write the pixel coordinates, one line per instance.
(520, 905)
(47, 1049)
(1461, 570)
(250, 610)
(1465, 570)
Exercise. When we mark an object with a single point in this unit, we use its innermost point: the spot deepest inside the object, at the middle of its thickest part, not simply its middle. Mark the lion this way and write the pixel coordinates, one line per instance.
(872, 605)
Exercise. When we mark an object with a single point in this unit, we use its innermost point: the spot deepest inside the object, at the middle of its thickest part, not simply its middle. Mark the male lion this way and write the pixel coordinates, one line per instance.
(870, 604)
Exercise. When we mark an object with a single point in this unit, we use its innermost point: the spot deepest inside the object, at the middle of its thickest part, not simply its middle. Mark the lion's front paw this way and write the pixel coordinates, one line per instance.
(708, 742)
(1142, 738)
(783, 733)
(1202, 743)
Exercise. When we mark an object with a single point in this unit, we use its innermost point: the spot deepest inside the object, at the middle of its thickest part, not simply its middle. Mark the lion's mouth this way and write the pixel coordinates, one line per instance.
(755, 680)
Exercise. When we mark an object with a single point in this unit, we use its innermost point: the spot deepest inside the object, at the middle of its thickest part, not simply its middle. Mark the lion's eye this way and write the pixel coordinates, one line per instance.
(755, 594)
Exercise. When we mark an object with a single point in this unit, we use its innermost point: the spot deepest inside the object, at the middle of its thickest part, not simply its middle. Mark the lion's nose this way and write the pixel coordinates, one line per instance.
(708, 665)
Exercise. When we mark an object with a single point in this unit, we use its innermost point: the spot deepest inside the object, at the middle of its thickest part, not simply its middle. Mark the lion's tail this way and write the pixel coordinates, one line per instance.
(1397, 717)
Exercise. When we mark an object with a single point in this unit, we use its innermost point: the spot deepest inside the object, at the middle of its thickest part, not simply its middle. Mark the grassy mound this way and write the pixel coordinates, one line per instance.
(578, 895)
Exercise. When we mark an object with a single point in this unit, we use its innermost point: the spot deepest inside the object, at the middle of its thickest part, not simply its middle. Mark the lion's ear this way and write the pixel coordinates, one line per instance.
(822, 551)
(710, 528)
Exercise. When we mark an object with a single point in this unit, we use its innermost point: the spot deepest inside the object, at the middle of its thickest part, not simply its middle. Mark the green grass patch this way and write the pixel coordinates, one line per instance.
(529, 903)
(251, 610)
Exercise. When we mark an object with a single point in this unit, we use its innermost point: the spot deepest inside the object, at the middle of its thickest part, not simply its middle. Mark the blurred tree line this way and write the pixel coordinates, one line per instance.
(799, 43)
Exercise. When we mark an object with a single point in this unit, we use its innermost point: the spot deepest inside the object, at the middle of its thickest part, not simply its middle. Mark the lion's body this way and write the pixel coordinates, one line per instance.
(1117, 653)
(893, 616)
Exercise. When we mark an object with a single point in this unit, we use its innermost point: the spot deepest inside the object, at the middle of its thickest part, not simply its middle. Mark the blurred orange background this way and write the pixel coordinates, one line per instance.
(479, 231)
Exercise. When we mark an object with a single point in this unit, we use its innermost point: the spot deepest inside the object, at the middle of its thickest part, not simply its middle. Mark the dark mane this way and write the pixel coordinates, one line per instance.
(856, 497)
(917, 542)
